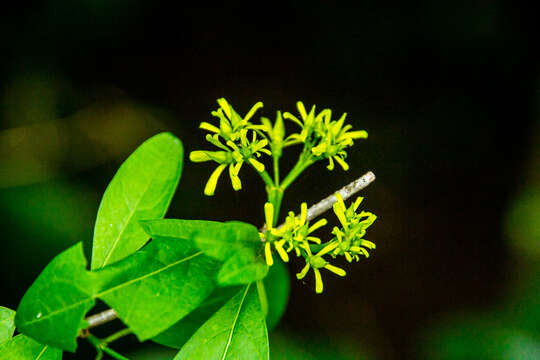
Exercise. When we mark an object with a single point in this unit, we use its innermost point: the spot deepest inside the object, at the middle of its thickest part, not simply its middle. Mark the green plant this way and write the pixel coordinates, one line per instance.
(200, 286)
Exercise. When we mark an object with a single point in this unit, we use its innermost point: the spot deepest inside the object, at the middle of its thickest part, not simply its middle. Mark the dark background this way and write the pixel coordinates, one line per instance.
(448, 92)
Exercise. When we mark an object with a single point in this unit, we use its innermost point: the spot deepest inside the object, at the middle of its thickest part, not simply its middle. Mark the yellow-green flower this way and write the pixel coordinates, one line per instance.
(317, 262)
(328, 138)
(308, 122)
(298, 231)
(232, 155)
(272, 236)
(230, 123)
(335, 137)
(276, 133)
(349, 238)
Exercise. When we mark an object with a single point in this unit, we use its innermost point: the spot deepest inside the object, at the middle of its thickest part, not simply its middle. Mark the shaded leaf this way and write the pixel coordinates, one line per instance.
(160, 284)
(177, 228)
(150, 290)
(141, 189)
(236, 331)
(277, 285)
(242, 268)
(22, 347)
(221, 242)
(179, 333)
(53, 308)
(7, 324)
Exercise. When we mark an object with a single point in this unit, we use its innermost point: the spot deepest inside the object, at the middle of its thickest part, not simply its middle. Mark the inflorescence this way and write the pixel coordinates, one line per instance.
(241, 141)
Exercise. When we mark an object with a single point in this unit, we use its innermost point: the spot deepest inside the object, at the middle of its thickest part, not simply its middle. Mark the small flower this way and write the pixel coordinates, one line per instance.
(298, 231)
(317, 262)
(306, 123)
(230, 123)
(335, 137)
(350, 242)
(328, 138)
(272, 237)
(236, 147)
(276, 133)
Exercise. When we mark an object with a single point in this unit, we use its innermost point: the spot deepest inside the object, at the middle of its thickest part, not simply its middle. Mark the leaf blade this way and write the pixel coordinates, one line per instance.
(53, 308)
(22, 347)
(142, 188)
(7, 324)
(157, 295)
(236, 331)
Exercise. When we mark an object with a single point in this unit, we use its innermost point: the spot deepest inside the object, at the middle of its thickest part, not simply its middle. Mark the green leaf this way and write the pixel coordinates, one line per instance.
(277, 285)
(225, 240)
(160, 284)
(177, 228)
(237, 331)
(53, 308)
(7, 324)
(150, 290)
(141, 189)
(179, 333)
(242, 268)
(22, 347)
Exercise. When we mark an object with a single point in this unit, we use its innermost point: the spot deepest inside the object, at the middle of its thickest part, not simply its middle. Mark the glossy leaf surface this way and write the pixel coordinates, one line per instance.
(150, 290)
(141, 189)
(22, 347)
(237, 331)
(7, 324)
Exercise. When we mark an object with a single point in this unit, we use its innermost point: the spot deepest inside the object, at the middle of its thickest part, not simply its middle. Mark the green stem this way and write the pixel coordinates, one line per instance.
(303, 162)
(276, 170)
(101, 347)
(266, 178)
(117, 335)
(275, 195)
(114, 354)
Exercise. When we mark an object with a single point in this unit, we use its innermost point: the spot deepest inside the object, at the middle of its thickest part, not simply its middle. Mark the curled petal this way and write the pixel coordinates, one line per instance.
(303, 214)
(253, 110)
(235, 180)
(225, 106)
(317, 225)
(282, 253)
(207, 126)
(268, 254)
(330, 164)
(256, 164)
(302, 274)
(318, 281)
(269, 214)
(301, 109)
(342, 162)
(327, 248)
(199, 156)
(210, 187)
(336, 270)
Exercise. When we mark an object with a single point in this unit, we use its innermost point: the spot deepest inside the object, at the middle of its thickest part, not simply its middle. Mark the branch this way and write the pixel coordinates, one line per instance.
(346, 192)
(101, 318)
(315, 210)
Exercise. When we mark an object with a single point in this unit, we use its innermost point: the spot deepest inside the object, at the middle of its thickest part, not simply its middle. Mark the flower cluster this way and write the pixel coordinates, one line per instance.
(295, 235)
(240, 144)
(349, 238)
(328, 138)
(240, 141)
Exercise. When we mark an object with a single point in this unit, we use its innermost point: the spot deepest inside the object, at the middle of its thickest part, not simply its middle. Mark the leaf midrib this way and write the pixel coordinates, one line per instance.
(97, 295)
(234, 322)
(115, 243)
